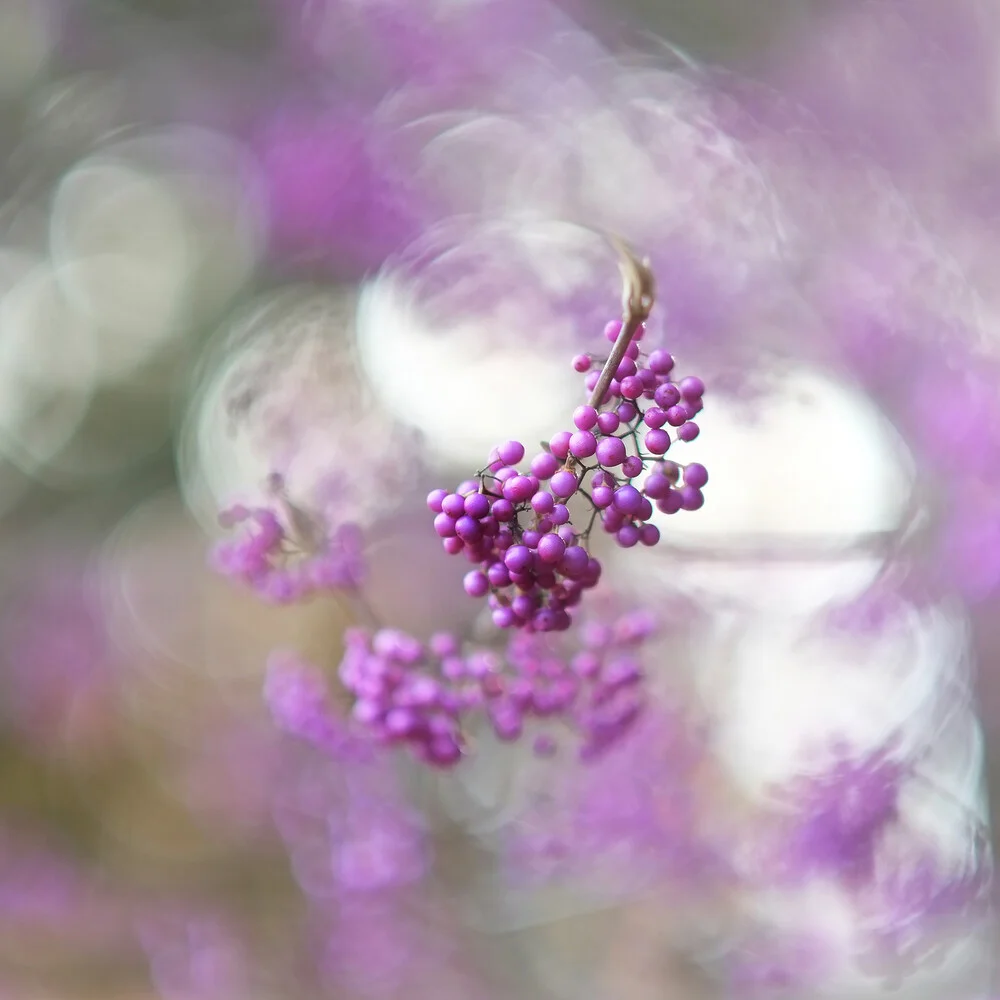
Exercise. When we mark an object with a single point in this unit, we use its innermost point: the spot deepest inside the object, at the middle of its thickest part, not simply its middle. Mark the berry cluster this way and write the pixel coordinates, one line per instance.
(533, 563)
(283, 553)
(428, 696)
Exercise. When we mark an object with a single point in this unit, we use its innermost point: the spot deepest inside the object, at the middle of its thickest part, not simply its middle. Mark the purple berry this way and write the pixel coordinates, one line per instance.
(671, 503)
(632, 387)
(502, 510)
(632, 467)
(559, 444)
(453, 505)
(574, 561)
(657, 441)
(603, 496)
(542, 502)
(627, 536)
(661, 362)
(444, 525)
(584, 418)
(467, 528)
(559, 514)
(477, 505)
(628, 499)
(654, 417)
(608, 422)
(519, 489)
(612, 330)
(691, 498)
(564, 484)
(656, 486)
(518, 558)
(544, 465)
(692, 387)
(434, 499)
(667, 395)
(582, 363)
(611, 451)
(626, 369)
(511, 452)
(551, 548)
(582, 444)
(626, 412)
(476, 584)
(688, 431)
(696, 475)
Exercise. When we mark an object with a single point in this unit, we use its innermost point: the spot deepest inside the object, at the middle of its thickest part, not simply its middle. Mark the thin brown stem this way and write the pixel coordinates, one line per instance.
(638, 295)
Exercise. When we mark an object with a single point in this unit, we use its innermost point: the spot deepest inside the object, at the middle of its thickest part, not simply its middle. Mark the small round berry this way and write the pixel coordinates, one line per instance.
(632, 387)
(559, 514)
(661, 362)
(511, 452)
(611, 451)
(453, 505)
(502, 510)
(468, 486)
(625, 369)
(649, 534)
(467, 528)
(504, 618)
(524, 605)
(518, 558)
(559, 444)
(691, 498)
(632, 351)
(603, 496)
(671, 503)
(519, 489)
(696, 475)
(504, 473)
(591, 380)
(676, 416)
(551, 548)
(654, 417)
(608, 422)
(626, 412)
(582, 444)
(582, 363)
(688, 431)
(530, 538)
(628, 499)
(544, 465)
(453, 545)
(657, 441)
(645, 511)
(612, 330)
(434, 499)
(667, 395)
(542, 502)
(584, 417)
(574, 561)
(498, 575)
(444, 525)
(477, 505)
(563, 484)
(627, 536)
(632, 466)
(692, 387)
(656, 486)
(476, 584)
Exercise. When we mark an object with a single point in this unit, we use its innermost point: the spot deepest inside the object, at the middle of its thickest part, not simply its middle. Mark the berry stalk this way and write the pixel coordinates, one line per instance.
(638, 295)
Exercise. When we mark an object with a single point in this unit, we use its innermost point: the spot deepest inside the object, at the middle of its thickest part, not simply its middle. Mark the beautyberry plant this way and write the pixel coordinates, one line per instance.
(532, 554)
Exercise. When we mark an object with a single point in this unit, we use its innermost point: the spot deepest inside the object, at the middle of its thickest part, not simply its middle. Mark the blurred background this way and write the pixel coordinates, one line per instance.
(357, 243)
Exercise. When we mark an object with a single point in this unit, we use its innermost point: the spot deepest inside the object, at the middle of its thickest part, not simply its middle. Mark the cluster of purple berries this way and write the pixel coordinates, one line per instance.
(284, 556)
(426, 696)
(533, 564)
